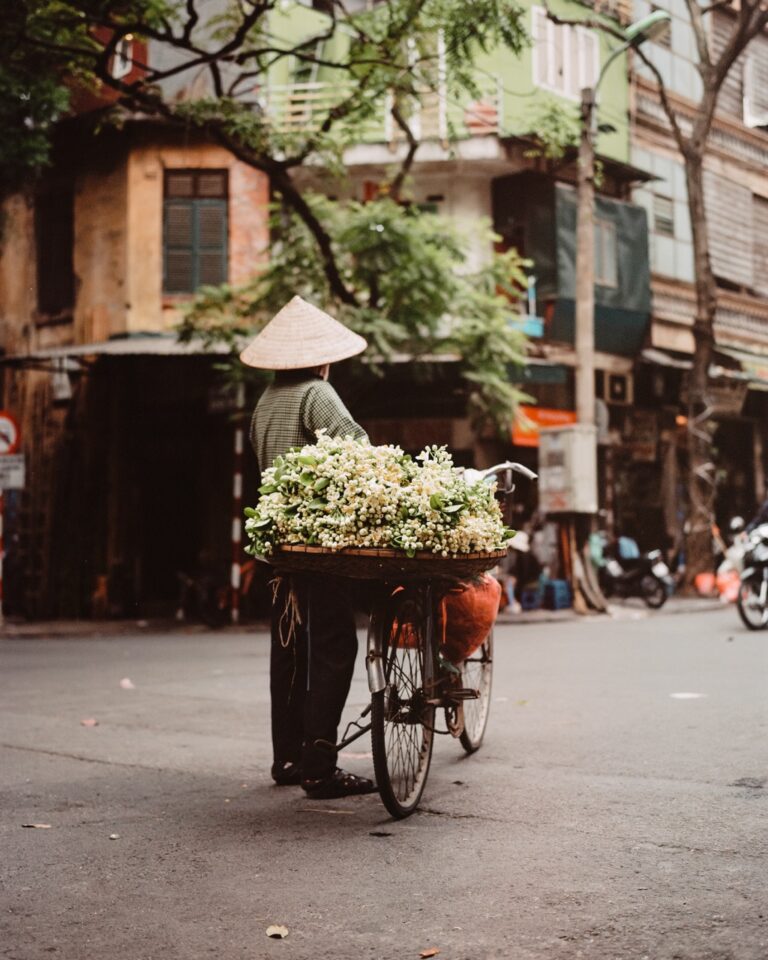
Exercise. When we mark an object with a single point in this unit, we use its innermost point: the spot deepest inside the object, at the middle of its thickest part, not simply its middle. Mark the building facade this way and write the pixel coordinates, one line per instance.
(736, 199)
(128, 445)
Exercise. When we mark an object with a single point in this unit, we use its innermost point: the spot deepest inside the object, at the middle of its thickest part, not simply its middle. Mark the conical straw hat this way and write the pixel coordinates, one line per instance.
(300, 336)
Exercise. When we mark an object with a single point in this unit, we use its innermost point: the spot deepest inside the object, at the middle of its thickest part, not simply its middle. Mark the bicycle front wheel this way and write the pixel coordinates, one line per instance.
(477, 673)
(402, 718)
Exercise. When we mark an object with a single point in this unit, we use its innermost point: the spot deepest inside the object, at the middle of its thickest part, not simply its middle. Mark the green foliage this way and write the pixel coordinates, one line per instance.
(407, 270)
(556, 127)
(48, 46)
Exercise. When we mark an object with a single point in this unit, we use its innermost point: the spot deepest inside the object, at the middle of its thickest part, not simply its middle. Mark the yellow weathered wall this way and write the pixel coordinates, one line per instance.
(148, 308)
(17, 273)
(101, 202)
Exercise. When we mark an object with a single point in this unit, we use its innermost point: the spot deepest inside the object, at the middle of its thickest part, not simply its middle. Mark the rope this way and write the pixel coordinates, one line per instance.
(290, 617)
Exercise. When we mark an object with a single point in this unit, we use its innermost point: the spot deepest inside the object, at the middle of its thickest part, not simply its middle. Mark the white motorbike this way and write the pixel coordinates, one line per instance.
(752, 601)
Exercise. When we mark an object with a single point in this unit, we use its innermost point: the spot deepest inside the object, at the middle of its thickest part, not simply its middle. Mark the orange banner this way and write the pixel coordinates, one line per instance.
(529, 420)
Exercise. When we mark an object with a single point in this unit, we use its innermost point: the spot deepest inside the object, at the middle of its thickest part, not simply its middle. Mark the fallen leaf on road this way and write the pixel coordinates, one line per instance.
(37, 826)
(277, 932)
(89, 722)
(127, 684)
(521, 703)
(114, 836)
(429, 952)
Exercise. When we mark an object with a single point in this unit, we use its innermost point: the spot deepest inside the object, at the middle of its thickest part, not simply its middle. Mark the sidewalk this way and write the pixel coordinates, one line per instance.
(63, 629)
(633, 609)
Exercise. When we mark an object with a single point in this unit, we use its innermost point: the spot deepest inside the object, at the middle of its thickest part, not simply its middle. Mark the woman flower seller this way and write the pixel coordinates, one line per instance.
(314, 644)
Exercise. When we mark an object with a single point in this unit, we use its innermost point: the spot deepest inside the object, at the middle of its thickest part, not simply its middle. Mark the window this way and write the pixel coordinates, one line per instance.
(194, 229)
(606, 267)
(755, 89)
(122, 60)
(663, 216)
(54, 242)
(565, 59)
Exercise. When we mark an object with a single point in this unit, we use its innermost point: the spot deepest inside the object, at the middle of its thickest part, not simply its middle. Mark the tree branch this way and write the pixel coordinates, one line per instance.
(677, 132)
(396, 184)
(700, 35)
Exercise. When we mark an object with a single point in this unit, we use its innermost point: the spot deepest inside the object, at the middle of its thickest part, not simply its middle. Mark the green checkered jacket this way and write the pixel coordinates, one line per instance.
(289, 414)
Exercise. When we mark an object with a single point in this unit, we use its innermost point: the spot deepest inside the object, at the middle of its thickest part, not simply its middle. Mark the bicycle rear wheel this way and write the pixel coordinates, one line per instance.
(477, 674)
(402, 719)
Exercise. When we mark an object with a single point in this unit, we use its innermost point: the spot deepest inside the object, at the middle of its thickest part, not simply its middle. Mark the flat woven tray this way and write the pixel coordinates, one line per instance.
(362, 563)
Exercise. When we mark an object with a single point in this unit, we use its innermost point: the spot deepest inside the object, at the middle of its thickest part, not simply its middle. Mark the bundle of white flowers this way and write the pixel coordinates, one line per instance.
(340, 493)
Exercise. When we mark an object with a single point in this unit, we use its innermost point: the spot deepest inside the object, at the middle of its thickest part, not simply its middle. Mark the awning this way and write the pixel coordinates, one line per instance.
(157, 345)
(662, 359)
(753, 365)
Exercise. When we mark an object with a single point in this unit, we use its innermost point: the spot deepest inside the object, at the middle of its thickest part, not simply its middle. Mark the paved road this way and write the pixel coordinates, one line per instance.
(604, 818)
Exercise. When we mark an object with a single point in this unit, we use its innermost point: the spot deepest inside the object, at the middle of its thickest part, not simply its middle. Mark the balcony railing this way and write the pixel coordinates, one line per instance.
(303, 107)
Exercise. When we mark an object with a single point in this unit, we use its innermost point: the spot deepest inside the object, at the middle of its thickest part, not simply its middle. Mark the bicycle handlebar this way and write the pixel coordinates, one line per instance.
(474, 476)
(514, 467)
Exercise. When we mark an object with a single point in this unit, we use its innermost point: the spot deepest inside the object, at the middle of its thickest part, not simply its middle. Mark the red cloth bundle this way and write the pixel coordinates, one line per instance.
(468, 613)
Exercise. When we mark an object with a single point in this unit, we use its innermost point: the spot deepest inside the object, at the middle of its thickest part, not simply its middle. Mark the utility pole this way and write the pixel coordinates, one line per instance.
(585, 266)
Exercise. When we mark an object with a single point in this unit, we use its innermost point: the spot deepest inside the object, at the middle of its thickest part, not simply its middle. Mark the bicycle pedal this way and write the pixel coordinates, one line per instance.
(463, 693)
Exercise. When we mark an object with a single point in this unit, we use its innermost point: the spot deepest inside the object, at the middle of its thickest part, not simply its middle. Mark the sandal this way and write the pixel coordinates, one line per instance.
(286, 773)
(338, 784)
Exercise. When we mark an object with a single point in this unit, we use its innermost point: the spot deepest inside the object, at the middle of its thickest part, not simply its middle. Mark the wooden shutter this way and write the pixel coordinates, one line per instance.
(731, 96)
(179, 246)
(541, 53)
(211, 241)
(760, 220)
(195, 230)
(729, 225)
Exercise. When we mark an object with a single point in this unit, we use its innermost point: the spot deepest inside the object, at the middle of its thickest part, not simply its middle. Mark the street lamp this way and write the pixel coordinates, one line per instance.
(649, 28)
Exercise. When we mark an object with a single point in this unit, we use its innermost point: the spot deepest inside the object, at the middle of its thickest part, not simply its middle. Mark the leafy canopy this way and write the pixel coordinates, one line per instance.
(413, 294)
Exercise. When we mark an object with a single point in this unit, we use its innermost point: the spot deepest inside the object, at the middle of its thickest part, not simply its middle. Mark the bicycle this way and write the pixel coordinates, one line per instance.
(410, 681)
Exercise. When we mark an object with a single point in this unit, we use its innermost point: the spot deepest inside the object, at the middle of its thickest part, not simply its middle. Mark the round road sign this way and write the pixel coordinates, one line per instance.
(9, 433)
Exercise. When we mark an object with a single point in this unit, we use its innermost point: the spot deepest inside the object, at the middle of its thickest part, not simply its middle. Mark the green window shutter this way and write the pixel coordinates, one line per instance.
(178, 246)
(194, 244)
(211, 241)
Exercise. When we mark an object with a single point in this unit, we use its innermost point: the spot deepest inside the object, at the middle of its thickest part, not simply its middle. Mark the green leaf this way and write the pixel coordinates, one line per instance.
(436, 501)
(321, 484)
(250, 512)
(318, 504)
(308, 459)
(267, 488)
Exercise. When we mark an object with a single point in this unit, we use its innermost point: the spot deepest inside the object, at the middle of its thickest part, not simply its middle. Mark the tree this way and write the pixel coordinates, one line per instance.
(750, 18)
(371, 57)
(388, 51)
(405, 269)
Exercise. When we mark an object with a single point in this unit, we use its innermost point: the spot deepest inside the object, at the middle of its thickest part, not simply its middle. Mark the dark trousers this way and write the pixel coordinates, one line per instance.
(311, 675)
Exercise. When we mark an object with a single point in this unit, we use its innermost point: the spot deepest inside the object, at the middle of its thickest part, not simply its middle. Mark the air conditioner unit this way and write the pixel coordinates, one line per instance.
(615, 388)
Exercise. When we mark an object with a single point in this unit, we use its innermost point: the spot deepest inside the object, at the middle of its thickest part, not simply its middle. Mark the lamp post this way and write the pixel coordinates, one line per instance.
(648, 28)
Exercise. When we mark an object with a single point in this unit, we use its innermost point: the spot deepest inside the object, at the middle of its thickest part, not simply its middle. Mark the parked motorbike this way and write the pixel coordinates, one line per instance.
(752, 600)
(625, 572)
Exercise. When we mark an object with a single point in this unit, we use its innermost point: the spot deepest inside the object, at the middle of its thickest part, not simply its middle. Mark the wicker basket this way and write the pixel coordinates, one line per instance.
(361, 563)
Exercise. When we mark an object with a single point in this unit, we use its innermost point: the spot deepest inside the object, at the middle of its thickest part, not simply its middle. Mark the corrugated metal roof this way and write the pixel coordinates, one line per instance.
(160, 345)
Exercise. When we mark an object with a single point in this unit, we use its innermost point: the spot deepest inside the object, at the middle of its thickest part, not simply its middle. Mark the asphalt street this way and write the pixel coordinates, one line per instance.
(618, 809)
